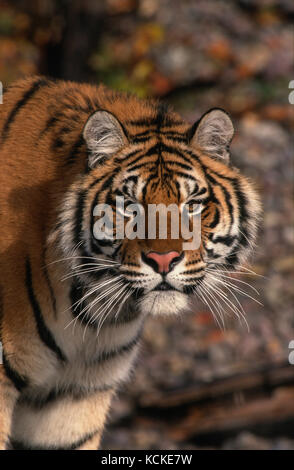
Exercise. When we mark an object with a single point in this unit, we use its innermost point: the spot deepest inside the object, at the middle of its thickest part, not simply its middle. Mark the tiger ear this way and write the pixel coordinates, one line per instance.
(104, 136)
(213, 134)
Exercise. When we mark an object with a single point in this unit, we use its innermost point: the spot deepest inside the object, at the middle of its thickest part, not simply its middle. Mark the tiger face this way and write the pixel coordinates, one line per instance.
(165, 163)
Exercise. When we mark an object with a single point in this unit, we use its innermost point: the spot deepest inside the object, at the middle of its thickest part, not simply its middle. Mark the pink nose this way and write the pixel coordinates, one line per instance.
(163, 260)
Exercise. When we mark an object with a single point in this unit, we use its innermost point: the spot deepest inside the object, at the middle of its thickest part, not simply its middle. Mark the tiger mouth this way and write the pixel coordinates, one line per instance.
(164, 286)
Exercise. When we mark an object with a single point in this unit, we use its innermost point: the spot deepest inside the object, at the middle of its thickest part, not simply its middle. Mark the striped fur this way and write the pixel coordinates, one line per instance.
(73, 307)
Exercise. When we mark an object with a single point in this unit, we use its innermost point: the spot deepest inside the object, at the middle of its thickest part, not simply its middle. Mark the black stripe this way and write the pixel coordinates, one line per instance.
(78, 231)
(168, 122)
(193, 279)
(94, 245)
(184, 175)
(153, 131)
(194, 271)
(126, 157)
(227, 240)
(181, 165)
(143, 155)
(106, 356)
(142, 165)
(133, 273)
(71, 391)
(162, 148)
(76, 293)
(243, 213)
(26, 97)
(135, 265)
(162, 110)
(177, 139)
(79, 109)
(211, 254)
(199, 193)
(18, 445)
(109, 180)
(50, 123)
(232, 259)
(44, 333)
(196, 158)
(226, 194)
(216, 218)
(133, 178)
(47, 277)
(141, 140)
(56, 144)
(105, 242)
(19, 381)
(75, 150)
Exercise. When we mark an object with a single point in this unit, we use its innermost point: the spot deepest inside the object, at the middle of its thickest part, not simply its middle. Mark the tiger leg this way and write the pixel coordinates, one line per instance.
(92, 443)
(66, 423)
(8, 397)
(101, 402)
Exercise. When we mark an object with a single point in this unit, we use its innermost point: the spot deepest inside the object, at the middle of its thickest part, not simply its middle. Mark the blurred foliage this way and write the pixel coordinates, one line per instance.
(18, 55)
(125, 65)
(152, 47)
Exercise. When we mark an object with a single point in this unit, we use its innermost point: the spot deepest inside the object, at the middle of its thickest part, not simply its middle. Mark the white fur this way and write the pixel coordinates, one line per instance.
(214, 133)
(103, 135)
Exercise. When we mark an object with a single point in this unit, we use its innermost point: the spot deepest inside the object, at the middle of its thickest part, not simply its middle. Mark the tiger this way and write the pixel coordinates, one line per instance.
(73, 305)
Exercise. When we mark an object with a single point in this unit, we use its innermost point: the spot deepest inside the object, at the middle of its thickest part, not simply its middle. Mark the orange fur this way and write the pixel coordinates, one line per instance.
(43, 158)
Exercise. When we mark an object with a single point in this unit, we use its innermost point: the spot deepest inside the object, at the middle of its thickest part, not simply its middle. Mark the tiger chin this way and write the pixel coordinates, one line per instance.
(73, 305)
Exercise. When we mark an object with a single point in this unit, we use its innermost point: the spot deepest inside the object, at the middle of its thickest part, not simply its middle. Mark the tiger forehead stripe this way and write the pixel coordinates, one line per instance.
(154, 132)
(153, 121)
(156, 150)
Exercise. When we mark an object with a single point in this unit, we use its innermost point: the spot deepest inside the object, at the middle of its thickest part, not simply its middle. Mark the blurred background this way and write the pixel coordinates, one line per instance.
(195, 385)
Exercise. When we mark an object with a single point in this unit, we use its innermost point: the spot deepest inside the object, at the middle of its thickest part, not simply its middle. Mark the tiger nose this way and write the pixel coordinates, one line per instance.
(164, 262)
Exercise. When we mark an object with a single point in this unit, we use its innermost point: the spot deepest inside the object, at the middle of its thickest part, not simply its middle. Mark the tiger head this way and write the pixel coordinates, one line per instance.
(159, 160)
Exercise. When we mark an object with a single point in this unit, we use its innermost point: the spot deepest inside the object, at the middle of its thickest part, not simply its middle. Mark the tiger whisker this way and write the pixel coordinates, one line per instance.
(230, 304)
(247, 239)
(82, 257)
(92, 291)
(234, 279)
(237, 289)
(128, 293)
(202, 297)
(84, 271)
(250, 271)
(216, 305)
(100, 297)
(246, 271)
(91, 264)
(115, 298)
(90, 306)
